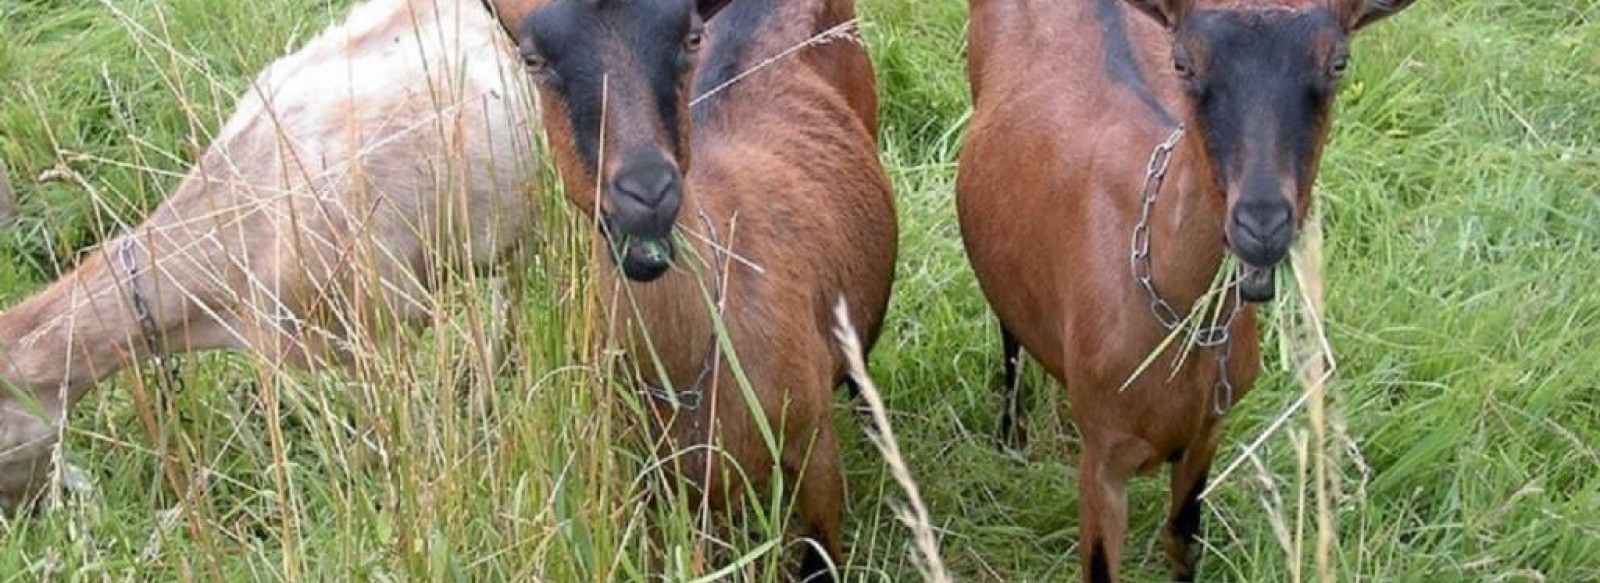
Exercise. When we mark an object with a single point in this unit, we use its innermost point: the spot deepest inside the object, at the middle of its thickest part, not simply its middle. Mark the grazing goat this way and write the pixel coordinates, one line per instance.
(785, 210)
(392, 145)
(1082, 109)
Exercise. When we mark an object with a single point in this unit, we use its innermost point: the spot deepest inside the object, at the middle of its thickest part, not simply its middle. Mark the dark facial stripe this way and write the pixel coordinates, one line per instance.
(585, 43)
(1120, 63)
(666, 76)
(1262, 83)
(555, 34)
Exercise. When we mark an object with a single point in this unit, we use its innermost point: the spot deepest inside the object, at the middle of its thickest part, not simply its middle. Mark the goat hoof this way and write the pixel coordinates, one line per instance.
(1013, 436)
(868, 422)
(1012, 432)
(814, 567)
(77, 481)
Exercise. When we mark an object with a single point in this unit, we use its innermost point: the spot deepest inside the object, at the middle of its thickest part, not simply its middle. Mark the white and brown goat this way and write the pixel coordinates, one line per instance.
(394, 143)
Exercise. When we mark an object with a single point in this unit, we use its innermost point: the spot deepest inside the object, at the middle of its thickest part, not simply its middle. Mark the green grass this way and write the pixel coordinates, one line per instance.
(1462, 194)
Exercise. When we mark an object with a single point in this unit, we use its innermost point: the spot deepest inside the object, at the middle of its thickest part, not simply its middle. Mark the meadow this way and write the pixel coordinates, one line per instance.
(1461, 203)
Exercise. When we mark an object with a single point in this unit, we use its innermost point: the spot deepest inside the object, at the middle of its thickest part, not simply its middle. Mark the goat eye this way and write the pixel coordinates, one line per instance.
(535, 64)
(692, 42)
(1181, 64)
(1337, 68)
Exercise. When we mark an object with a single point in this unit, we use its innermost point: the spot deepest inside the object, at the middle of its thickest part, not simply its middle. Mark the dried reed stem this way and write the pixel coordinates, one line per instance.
(1315, 357)
(916, 517)
(843, 31)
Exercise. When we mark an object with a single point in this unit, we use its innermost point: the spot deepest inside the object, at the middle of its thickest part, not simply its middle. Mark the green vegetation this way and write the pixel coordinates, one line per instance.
(1462, 194)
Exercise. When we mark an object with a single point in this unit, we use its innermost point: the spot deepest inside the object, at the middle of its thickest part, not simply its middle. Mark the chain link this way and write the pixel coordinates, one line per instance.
(690, 399)
(169, 367)
(1155, 171)
(1215, 335)
(1222, 392)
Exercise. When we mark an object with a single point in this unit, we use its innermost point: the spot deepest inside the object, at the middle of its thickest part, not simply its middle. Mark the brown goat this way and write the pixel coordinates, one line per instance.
(393, 144)
(785, 210)
(1096, 97)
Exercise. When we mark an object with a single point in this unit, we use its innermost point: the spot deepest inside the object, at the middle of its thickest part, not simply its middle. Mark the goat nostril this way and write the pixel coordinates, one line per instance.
(649, 186)
(1262, 223)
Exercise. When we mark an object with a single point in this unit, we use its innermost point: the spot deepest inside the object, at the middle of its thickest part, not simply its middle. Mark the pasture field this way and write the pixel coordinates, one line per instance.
(1461, 194)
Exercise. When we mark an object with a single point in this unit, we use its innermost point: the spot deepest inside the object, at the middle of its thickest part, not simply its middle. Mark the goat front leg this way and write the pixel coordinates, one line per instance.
(1013, 431)
(1103, 475)
(821, 501)
(83, 327)
(52, 347)
(1182, 532)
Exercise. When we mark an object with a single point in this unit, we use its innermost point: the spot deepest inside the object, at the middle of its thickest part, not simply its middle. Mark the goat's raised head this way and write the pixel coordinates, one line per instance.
(1260, 79)
(613, 76)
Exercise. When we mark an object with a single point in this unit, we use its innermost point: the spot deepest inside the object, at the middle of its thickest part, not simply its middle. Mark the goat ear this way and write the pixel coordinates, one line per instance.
(1359, 13)
(1166, 12)
(710, 8)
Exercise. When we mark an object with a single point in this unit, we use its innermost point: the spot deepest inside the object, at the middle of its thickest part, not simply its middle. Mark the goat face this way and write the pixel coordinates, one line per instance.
(614, 78)
(1259, 81)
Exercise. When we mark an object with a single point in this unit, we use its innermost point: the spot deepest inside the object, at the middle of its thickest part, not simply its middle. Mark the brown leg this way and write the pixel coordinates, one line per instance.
(53, 345)
(862, 412)
(25, 442)
(1182, 532)
(1013, 419)
(87, 325)
(821, 492)
(1103, 504)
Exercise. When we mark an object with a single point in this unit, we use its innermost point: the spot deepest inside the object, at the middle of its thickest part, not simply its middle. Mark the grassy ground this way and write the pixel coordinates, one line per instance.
(1462, 191)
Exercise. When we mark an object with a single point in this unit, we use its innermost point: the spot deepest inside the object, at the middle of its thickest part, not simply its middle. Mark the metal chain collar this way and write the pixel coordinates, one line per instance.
(1213, 336)
(692, 398)
(168, 366)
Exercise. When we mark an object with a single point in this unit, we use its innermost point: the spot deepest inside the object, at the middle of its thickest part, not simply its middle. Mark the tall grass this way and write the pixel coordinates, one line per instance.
(1458, 436)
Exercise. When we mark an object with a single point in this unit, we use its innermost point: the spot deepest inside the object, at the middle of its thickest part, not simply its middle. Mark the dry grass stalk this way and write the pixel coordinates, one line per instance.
(843, 31)
(1309, 353)
(1315, 358)
(916, 516)
(1312, 353)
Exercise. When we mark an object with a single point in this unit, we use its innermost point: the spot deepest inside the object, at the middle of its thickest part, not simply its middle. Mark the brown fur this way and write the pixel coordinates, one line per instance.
(1049, 241)
(786, 172)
